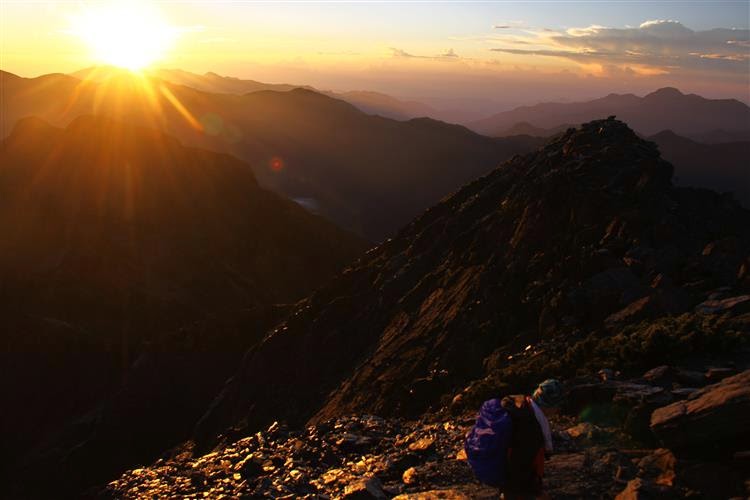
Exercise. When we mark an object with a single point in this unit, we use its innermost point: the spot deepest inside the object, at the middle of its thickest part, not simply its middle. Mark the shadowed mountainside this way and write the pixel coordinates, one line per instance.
(367, 173)
(722, 167)
(584, 233)
(114, 238)
(688, 115)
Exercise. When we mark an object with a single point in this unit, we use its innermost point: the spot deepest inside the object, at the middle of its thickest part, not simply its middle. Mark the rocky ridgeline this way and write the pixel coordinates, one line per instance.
(580, 261)
(583, 250)
(368, 457)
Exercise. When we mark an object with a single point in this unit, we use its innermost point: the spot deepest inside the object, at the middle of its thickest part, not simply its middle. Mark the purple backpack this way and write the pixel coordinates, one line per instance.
(486, 444)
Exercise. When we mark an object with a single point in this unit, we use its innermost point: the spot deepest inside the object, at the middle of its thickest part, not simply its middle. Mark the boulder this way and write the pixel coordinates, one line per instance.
(462, 493)
(714, 375)
(739, 304)
(643, 308)
(658, 374)
(640, 489)
(409, 476)
(365, 489)
(353, 443)
(629, 394)
(715, 414)
(667, 376)
(422, 445)
(658, 466)
(586, 432)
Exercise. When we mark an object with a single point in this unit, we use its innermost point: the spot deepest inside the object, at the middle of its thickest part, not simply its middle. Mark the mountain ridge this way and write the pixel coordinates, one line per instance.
(666, 108)
(544, 243)
(380, 174)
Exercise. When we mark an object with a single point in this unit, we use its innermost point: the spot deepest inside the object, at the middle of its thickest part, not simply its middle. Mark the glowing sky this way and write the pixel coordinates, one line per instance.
(444, 53)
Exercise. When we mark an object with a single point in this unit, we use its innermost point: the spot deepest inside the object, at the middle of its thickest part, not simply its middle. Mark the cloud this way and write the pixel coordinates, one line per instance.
(660, 44)
(395, 52)
(509, 25)
(450, 54)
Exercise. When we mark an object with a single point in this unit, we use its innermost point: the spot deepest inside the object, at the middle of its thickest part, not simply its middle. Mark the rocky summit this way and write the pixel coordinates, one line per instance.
(582, 252)
(580, 261)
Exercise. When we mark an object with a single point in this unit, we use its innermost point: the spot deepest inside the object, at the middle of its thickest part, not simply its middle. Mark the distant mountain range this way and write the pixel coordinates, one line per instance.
(689, 115)
(374, 103)
(367, 173)
(115, 236)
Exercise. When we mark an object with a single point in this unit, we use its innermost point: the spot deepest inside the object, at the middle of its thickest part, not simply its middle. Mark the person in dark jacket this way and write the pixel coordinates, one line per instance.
(531, 439)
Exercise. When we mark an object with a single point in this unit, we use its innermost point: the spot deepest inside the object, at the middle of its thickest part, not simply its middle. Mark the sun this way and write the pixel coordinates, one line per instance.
(128, 34)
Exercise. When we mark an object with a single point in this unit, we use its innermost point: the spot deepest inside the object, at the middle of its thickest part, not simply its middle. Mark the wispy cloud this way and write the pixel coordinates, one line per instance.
(662, 45)
(450, 54)
(509, 25)
(396, 52)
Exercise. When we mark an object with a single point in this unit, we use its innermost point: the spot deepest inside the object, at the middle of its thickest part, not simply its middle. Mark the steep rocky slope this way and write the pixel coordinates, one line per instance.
(119, 245)
(568, 248)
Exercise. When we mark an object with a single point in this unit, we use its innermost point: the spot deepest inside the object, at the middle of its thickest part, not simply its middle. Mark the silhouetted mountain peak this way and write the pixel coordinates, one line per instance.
(211, 74)
(610, 153)
(5, 75)
(665, 92)
(666, 134)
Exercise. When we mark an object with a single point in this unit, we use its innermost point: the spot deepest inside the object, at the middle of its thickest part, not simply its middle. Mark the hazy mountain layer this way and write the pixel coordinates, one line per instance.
(374, 103)
(367, 173)
(665, 109)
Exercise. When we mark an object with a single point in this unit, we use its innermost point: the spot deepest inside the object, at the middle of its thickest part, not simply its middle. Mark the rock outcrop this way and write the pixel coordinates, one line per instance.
(579, 261)
(715, 417)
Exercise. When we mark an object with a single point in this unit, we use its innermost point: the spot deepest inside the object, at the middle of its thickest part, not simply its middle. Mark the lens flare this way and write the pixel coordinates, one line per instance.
(277, 164)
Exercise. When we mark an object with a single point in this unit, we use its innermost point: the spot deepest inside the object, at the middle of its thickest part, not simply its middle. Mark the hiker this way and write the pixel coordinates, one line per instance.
(506, 447)
(531, 439)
